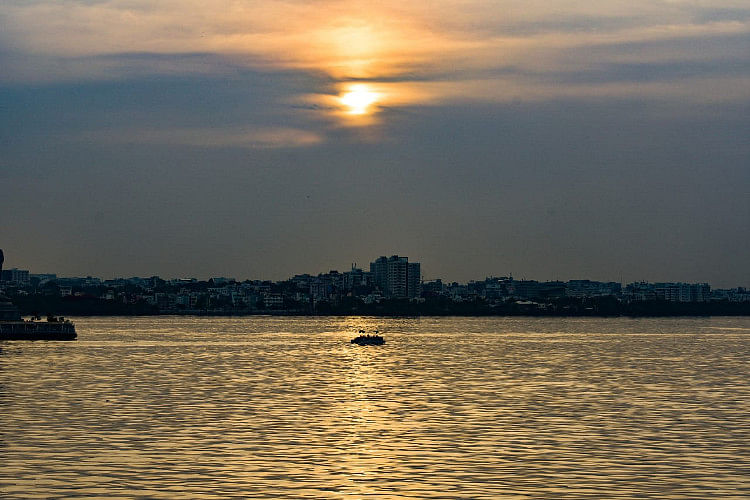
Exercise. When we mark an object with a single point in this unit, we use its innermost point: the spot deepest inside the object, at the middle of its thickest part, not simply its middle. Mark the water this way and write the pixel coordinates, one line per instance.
(448, 408)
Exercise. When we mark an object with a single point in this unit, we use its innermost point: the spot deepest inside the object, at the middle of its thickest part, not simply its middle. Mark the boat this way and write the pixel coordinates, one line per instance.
(367, 339)
(13, 327)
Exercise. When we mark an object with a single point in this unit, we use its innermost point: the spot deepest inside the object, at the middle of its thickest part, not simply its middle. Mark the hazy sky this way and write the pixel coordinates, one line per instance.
(259, 139)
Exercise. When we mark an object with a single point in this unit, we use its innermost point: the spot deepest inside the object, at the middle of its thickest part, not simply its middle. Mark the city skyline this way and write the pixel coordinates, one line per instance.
(368, 269)
(392, 286)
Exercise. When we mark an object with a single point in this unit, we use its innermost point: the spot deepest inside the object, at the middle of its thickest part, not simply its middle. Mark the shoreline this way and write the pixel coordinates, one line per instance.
(447, 315)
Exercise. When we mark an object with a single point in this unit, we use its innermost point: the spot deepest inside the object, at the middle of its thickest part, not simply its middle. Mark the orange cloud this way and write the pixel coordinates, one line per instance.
(414, 53)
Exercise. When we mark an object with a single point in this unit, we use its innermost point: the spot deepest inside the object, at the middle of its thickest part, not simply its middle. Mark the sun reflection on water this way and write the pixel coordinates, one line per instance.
(287, 407)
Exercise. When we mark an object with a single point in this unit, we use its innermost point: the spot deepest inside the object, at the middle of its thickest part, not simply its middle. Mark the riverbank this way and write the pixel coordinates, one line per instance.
(566, 307)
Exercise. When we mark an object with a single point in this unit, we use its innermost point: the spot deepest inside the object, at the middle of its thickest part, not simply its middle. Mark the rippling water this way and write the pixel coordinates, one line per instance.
(448, 408)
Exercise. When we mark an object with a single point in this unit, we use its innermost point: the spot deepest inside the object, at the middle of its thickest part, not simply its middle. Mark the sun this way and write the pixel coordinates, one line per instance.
(358, 99)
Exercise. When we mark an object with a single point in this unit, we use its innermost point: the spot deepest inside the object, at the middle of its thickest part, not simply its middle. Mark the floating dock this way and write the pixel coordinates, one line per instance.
(43, 330)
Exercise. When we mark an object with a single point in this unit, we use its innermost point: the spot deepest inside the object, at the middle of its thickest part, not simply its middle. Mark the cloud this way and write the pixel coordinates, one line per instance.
(249, 138)
(486, 49)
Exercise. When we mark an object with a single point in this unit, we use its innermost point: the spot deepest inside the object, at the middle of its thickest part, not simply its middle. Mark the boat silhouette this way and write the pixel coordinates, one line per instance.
(367, 339)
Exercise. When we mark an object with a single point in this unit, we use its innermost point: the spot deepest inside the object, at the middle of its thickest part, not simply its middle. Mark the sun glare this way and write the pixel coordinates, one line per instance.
(358, 99)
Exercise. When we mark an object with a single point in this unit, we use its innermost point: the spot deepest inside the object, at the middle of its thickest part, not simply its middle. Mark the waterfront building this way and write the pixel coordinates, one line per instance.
(414, 280)
(320, 288)
(396, 277)
(355, 278)
(273, 301)
(238, 299)
(587, 288)
(524, 289)
(739, 294)
(639, 291)
(682, 292)
(532, 289)
(302, 281)
(43, 278)
(16, 276)
(221, 280)
(379, 272)
(669, 292)
(496, 288)
(458, 293)
(433, 288)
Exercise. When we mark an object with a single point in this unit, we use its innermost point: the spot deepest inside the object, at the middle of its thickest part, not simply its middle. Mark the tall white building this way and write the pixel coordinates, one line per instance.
(396, 276)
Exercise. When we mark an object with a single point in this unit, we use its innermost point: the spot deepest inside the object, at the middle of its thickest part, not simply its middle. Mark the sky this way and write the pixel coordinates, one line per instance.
(261, 139)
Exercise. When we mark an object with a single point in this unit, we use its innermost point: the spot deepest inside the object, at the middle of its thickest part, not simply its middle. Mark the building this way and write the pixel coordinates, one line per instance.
(496, 288)
(433, 288)
(43, 278)
(524, 289)
(17, 276)
(379, 272)
(396, 277)
(355, 278)
(731, 294)
(273, 301)
(320, 288)
(682, 292)
(397, 280)
(414, 280)
(639, 291)
(587, 288)
(669, 292)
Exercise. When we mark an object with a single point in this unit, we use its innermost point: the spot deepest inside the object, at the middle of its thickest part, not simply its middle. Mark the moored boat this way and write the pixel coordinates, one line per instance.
(12, 327)
(37, 330)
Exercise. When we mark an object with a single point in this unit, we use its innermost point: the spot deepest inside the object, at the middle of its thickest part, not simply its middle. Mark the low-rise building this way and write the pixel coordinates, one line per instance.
(16, 276)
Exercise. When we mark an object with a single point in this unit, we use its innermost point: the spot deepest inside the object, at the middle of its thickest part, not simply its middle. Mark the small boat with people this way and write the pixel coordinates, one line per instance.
(367, 339)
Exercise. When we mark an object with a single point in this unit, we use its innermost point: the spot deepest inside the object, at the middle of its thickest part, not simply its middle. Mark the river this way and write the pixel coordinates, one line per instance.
(287, 407)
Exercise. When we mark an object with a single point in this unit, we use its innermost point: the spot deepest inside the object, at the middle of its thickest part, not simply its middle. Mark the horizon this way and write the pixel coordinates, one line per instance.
(366, 269)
